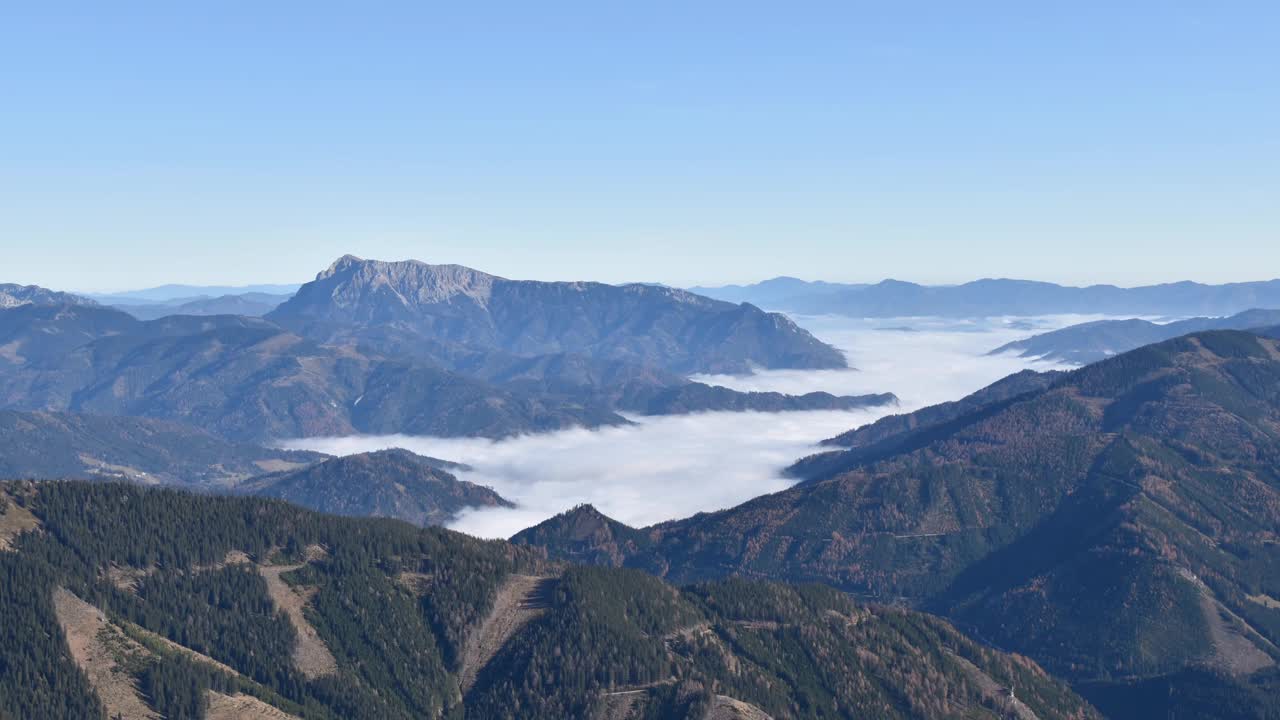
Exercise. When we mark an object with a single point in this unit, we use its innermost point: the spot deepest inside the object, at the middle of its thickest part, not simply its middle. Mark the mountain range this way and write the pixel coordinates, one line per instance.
(1092, 341)
(1119, 523)
(373, 347)
(12, 295)
(675, 330)
(389, 483)
(249, 304)
(249, 380)
(123, 602)
(52, 445)
(997, 297)
(170, 294)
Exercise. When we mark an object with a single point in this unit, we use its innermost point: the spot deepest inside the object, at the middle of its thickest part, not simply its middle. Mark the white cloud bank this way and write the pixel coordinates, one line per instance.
(671, 467)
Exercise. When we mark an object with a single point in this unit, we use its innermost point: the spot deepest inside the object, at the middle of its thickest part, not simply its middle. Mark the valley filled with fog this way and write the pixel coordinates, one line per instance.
(669, 467)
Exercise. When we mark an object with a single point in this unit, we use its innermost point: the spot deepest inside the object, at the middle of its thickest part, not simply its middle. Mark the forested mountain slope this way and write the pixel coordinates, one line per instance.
(387, 483)
(248, 379)
(1122, 522)
(894, 430)
(116, 599)
(44, 445)
(1092, 341)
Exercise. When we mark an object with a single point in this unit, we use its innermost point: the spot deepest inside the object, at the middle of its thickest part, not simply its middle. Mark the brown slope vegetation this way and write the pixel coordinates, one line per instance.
(310, 655)
(248, 379)
(519, 600)
(104, 654)
(894, 431)
(15, 519)
(210, 628)
(241, 707)
(726, 708)
(111, 657)
(1065, 522)
(52, 445)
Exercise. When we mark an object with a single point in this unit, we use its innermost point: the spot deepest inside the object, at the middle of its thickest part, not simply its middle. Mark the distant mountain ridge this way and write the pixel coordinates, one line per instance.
(1092, 341)
(250, 380)
(651, 325)
(251, 304)
(166, 294)
(12, 296)
(996, 297)
(896, 431)
(389, 483)
(775, 293)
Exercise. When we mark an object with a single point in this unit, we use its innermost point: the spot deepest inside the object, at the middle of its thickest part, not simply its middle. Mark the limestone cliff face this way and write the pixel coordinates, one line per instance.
(659, 326)
(12, 296)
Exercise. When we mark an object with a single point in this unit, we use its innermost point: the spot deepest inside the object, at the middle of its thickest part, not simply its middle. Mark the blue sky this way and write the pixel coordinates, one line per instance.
(704, 142)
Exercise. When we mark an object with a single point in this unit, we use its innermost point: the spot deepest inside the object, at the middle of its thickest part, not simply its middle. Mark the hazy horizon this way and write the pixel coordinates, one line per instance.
(237, 285)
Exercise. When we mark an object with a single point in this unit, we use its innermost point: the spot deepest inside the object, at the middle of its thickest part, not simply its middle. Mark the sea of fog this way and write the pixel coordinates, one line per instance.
(670, 467)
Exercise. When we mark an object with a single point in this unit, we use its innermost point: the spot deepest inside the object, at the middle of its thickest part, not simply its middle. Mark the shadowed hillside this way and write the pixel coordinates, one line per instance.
(1119, 522)
(42, 445)
(249, 379)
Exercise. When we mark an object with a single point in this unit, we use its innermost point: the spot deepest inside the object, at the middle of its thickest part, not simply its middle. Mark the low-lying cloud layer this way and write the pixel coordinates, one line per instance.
(924, 361)
(659, 469)
(671, 467)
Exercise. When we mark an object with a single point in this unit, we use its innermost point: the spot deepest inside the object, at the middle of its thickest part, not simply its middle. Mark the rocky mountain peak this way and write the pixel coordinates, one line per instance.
(12, 295)
(339, 266)
(413, 282)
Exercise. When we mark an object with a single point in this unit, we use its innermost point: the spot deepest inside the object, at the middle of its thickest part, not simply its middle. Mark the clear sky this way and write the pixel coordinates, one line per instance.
(693, 142)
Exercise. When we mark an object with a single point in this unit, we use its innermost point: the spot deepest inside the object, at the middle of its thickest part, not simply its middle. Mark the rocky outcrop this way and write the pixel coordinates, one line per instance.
(12, 295)
(646, 324)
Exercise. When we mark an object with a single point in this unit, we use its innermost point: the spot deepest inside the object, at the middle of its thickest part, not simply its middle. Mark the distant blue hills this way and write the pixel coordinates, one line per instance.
(178, 294)
(995, 297)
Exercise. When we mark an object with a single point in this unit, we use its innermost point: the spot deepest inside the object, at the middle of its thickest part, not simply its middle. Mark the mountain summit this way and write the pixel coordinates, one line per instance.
(411, 283)
(17, 295)
(388, 483)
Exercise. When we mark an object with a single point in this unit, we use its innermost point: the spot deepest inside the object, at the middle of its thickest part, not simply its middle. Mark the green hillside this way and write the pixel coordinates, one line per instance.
(119, 600)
